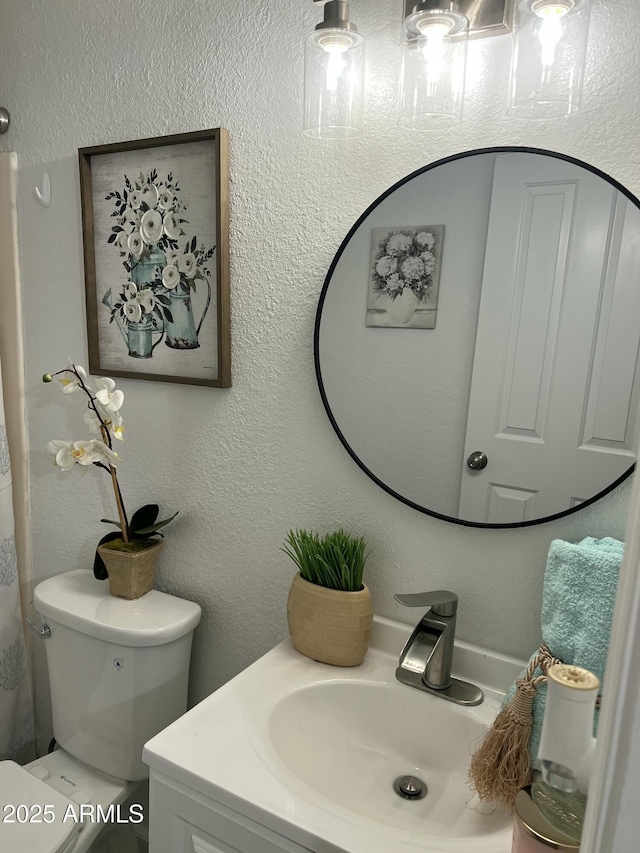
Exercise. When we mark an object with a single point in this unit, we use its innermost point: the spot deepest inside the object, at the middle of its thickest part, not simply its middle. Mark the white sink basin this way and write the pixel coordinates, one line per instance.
(349, 741)
(311, 751)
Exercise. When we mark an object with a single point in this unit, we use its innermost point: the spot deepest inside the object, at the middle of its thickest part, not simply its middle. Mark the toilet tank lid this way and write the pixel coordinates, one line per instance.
(79, 601)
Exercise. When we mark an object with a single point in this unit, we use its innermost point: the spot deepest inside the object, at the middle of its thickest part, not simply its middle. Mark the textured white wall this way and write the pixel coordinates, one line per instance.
(245, 464)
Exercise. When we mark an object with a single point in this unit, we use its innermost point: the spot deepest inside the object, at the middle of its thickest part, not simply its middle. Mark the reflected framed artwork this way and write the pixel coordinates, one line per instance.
(405, 276)
(155, 221)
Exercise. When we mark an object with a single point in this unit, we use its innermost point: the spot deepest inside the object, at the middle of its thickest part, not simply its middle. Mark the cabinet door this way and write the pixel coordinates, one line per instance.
(183, 821)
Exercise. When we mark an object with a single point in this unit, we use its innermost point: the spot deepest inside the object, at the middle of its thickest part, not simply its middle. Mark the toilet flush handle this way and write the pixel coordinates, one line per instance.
(43, 631)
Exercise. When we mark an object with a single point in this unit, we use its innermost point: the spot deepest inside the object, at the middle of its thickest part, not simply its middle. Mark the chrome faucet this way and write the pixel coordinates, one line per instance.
(426, 659)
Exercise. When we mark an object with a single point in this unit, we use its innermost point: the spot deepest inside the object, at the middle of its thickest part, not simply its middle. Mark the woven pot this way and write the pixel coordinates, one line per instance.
(329, 625)
(131, 572)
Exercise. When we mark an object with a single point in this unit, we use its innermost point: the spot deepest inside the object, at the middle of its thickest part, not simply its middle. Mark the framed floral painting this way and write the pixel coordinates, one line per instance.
(404, 276)
(156, 254)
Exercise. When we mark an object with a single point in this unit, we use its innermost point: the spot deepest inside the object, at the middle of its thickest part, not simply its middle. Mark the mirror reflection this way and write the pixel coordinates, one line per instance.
(477, 337)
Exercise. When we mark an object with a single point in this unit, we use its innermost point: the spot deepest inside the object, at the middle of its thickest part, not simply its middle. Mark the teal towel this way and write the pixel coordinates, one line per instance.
(580, 584)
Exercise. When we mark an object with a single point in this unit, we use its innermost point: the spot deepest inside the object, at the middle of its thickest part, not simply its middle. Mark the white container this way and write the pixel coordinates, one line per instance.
(118, 669)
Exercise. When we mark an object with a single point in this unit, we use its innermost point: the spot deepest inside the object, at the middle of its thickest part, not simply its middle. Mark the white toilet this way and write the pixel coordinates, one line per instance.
(118, 673)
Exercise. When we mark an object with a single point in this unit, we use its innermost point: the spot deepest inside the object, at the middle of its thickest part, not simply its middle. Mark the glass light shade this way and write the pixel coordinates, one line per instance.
(434, 59)
(334, 84)
(550, 47)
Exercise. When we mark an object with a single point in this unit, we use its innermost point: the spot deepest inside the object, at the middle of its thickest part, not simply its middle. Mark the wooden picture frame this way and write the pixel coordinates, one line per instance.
(155, 224)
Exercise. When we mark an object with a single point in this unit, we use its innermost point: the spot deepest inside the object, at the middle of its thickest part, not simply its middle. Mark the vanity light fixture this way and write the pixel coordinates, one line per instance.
(549, 57)
(549, 52)
(334, 76)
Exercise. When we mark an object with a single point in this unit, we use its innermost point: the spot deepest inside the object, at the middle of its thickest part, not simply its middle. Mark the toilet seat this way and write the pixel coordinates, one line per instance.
(29, 831)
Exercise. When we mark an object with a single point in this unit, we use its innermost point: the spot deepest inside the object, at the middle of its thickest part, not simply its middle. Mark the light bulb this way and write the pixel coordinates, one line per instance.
(550, 28)
(433, 45)
(335, 44)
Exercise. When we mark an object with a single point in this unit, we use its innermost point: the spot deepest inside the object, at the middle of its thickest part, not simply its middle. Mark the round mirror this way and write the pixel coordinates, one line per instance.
(478, 334)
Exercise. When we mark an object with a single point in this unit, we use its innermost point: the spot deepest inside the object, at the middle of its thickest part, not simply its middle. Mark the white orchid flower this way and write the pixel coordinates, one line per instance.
(151, 227)
(135, 244)
(170, 276)
(108, 395)
(101, 451)
(111, 420)
(187, 264)
(68, 453)
(70, 382)
(171, 226)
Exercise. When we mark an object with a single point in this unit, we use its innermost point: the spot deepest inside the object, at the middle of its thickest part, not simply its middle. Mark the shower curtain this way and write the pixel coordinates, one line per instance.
(16, 715)
(16, 705)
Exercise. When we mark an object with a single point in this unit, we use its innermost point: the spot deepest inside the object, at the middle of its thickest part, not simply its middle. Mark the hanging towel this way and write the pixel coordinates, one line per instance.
(580, 584)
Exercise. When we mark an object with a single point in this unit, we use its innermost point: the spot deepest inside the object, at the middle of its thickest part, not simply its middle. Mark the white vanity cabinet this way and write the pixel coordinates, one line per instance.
(294, 755)
(183, 821)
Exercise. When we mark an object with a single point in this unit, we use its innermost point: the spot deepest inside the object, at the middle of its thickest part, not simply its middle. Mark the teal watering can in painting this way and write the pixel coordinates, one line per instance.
(181, 329)
(137, 336)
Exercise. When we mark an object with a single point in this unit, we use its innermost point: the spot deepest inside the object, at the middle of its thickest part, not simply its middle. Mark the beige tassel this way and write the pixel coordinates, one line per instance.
(501, 765)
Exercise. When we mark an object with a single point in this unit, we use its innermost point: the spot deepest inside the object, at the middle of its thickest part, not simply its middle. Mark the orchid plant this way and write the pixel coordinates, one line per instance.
(103, 421)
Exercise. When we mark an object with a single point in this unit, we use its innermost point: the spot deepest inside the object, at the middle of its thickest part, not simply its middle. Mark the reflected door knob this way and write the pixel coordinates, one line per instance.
(477, 460)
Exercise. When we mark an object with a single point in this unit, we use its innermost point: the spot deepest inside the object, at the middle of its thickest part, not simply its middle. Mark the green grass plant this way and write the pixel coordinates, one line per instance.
(335, 561)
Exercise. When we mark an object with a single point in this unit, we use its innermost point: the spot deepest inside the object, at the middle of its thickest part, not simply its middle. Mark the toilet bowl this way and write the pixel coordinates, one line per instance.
(118, 673)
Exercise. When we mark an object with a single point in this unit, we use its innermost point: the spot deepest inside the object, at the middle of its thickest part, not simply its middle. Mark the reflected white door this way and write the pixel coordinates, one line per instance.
(554, 393)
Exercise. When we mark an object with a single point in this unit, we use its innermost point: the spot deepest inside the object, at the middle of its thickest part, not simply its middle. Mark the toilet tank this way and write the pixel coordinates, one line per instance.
(118, 669)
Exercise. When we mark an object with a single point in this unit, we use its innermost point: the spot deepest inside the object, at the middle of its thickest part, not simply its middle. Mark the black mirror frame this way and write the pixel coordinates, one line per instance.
(504, 149)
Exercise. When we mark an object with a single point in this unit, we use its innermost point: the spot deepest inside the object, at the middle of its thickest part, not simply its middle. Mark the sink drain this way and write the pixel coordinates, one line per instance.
(410, 788)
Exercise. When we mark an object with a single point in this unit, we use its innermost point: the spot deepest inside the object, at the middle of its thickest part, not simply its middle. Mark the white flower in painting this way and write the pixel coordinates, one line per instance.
(170, 276)
(108, 395)
(172, 257)
(132, 311)
(425, 238)
(135, 244)
(171, 226)
(151, 227)
(68, 453)
(150, 195)
(386, 266)
(147, 300)
(394, 285)
(135, 199)
(187, 265)
(130, 290)
(122, 241)
(413, 269)
(429, 260)
(70, 382)
(132, 219)
(166, 200)
(398, 243)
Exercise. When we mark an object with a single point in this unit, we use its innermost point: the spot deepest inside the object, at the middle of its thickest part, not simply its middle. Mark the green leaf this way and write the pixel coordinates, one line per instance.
(109, 521)
(99, 568)
(153, 527)
(143, 517)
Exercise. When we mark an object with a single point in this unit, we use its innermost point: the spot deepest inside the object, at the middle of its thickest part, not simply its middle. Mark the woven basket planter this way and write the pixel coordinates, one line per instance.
(131, 572)
(329, 625)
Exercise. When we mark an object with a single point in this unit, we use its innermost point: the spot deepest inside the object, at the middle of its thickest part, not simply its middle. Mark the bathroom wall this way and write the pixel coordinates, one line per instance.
(244, 465)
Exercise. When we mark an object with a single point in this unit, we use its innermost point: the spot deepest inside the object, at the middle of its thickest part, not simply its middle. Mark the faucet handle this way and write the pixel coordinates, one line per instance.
(441, 601)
